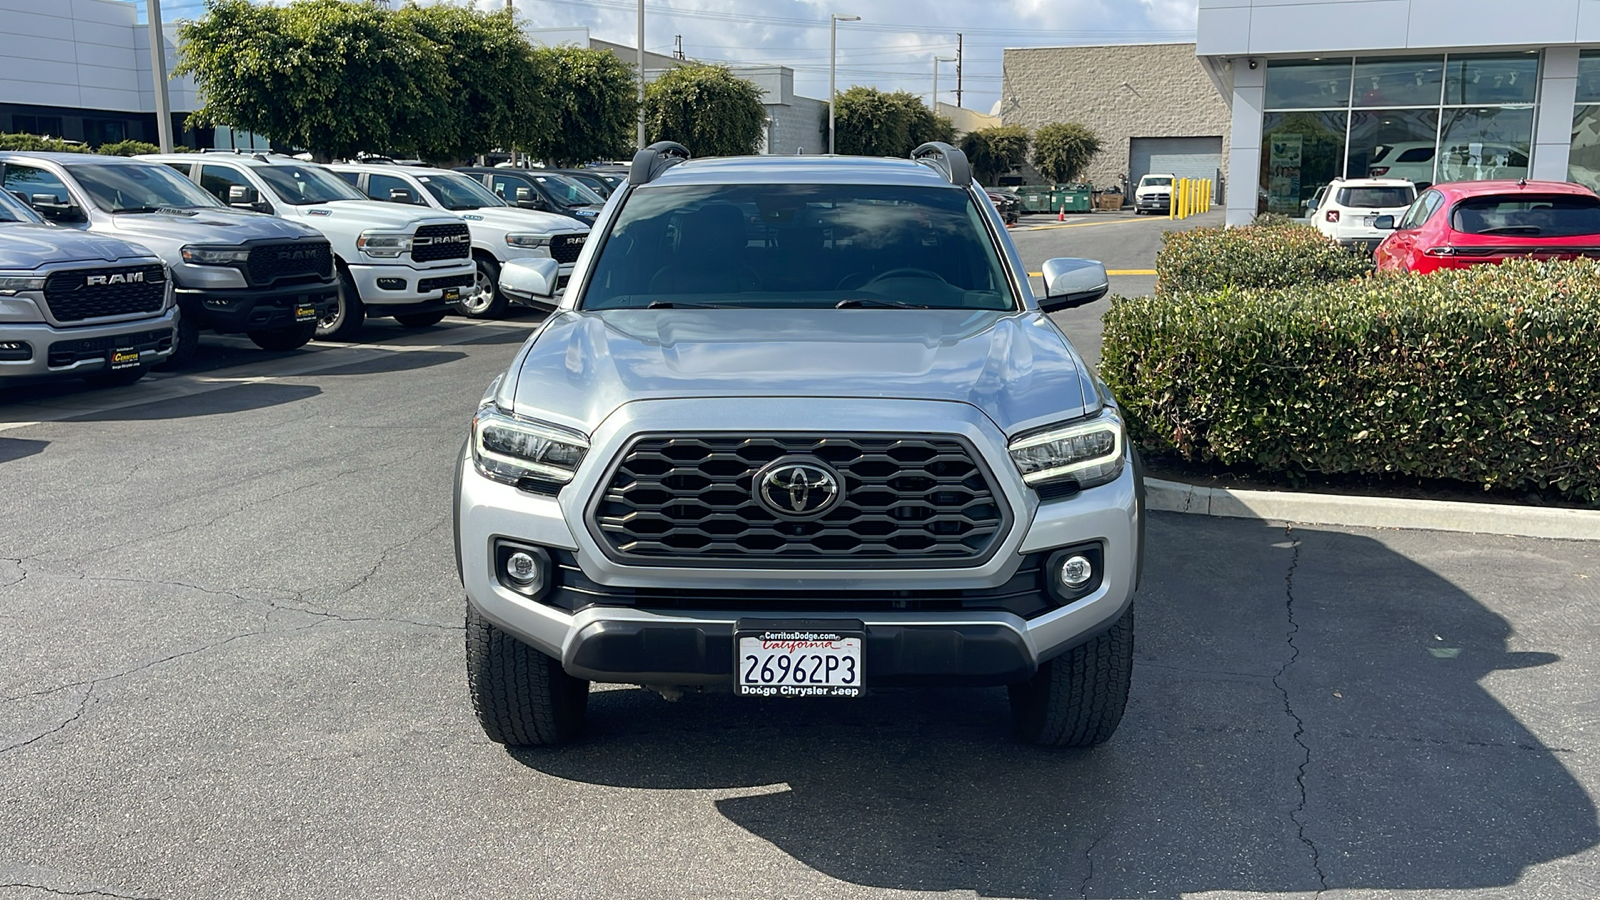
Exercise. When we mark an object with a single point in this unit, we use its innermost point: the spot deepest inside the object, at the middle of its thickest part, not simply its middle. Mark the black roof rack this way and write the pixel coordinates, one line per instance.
(649, 163)
(946, 160)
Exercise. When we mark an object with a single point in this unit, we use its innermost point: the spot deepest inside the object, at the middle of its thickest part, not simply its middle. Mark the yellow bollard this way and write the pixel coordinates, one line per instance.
(1172, 205)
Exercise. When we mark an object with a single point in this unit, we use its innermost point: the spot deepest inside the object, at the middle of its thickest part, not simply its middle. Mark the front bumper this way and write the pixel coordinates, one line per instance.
(1153, 203)
(909, 640)
(388, 290)
(84, 350)
(256, 309)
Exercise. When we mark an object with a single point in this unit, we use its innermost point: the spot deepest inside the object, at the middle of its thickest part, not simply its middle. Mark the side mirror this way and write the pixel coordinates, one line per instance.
(399, 195)
(55, 209)
(1383, 223)
(528, 280)
(242, 197)
(1070, 283)
(528, 199)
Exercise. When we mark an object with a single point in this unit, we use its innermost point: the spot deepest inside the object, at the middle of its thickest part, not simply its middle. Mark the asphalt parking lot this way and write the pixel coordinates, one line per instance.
(231, 666)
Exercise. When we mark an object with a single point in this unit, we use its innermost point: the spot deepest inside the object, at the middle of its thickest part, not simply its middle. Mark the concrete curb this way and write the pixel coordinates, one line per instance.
(1374, 512)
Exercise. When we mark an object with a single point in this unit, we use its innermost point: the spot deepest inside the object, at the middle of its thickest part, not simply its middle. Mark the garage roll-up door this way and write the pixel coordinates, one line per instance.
(1189, 157)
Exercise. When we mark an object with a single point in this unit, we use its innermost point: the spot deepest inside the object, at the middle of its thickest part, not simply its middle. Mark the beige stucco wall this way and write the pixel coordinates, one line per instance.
(1121, 91)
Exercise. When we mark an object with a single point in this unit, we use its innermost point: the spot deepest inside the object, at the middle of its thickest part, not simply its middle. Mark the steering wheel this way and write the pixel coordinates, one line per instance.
(899, 272)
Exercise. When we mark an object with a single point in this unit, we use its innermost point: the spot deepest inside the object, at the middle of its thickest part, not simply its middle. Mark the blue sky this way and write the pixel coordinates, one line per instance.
(893, 47)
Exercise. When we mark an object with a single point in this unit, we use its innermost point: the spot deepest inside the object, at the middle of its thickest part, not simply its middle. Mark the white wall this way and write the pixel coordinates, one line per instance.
(81, 54)
(1237, 27)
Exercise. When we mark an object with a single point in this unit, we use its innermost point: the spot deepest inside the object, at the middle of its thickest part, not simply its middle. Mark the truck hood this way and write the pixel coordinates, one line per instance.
(1015, 367)
(531, 221)
(220, 226)
(373, 214)
(24, 247)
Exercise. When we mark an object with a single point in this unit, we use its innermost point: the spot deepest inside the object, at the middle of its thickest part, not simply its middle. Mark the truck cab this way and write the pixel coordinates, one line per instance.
(232, 271)
(412, 264)
(540, 189)
(500, 232)
(1154, 193)
(79, 305)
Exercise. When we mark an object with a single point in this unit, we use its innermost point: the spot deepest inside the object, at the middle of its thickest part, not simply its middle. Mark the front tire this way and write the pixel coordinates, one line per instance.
(1077, 699)
(292, 338)
(344, 322)
(185, 344)
(521, 696)
(420, 320)
(485, 301)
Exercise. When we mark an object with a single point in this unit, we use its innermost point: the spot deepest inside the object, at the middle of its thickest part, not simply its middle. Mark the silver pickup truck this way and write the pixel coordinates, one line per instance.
(799, 428)
(77, 304)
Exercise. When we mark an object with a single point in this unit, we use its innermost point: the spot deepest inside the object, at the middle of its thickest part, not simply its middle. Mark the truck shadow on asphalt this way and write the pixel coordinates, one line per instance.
(235, 399)
(1306, 715)
(13, 449)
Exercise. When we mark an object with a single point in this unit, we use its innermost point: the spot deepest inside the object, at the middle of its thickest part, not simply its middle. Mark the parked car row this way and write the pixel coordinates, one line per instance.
(110, 265)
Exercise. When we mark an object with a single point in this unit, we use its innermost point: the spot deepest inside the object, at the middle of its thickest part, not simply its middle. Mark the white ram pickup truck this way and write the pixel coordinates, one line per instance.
(413, 265)
(500, 232)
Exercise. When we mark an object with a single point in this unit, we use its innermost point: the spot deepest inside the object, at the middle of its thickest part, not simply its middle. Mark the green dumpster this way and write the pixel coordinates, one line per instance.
(1036, 198)
(1074, 198)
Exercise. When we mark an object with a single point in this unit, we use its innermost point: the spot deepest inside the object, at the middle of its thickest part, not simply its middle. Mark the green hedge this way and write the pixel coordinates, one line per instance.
(1489, 376)
(129, 148)
(32, 143)
(1254, 256)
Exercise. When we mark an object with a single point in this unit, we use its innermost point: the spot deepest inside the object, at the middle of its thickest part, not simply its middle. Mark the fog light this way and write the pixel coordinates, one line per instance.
(523, 569)
(1076, 572)
(392, 284)
(15, 351)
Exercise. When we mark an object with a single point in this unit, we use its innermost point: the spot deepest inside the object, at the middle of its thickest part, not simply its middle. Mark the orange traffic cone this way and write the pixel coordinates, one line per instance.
(1062, 215)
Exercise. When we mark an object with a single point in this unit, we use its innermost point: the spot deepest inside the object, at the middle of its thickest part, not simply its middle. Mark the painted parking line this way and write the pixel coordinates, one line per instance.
(1111, 272)
(1097, 222)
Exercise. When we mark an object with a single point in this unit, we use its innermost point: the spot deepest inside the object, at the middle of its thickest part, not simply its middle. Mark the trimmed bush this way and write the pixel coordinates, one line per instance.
(1254, 256)
(1489, 376)
(32, 143)
(130, 148)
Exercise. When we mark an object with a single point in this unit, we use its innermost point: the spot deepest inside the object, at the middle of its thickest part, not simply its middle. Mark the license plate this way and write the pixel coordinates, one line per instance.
(122, 359)
(305, 313)
(799, 664)
(452, 294)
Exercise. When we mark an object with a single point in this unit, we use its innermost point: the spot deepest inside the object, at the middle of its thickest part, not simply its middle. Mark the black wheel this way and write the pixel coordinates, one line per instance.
(484, 300)
(185, 343)
(522, 697)
(119, 378)
(292, 338)
(420, 320)
(344, 322)
(1076, 699)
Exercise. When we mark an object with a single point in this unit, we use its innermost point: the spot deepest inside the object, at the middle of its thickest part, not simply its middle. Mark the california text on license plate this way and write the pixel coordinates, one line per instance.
(799, 664)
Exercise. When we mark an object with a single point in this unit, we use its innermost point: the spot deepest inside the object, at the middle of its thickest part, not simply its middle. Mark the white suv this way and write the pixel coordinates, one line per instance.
(500, 232)
(1350, 206)
(410, 264)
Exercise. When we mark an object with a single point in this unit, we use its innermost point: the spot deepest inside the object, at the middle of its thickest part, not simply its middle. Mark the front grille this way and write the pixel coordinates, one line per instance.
(446, 281)
(435, 242)
(65, 353)
(115, 292)
(1025, 594)
(306, 261)
(905, 501)
(564, 248)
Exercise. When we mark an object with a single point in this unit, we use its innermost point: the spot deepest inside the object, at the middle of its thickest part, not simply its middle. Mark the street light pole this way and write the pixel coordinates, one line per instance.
(158, 71)
(833, 51)
(640, 58)
(936, 60)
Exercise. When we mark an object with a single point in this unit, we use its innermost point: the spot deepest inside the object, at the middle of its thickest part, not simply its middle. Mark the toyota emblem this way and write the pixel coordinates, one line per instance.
(797, 488)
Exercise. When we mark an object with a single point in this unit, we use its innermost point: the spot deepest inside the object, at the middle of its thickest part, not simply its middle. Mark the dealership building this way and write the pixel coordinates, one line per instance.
(1429, 90)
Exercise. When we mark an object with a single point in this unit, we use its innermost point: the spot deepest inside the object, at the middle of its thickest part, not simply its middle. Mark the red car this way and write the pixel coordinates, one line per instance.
(1467, 223)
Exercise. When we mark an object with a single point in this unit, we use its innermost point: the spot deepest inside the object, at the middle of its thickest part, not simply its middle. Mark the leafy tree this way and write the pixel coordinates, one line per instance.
(707, 109)
(1062, 150)
(492, 89)
(590, 103)
(870, 122)
(994, 151)
(335, 77)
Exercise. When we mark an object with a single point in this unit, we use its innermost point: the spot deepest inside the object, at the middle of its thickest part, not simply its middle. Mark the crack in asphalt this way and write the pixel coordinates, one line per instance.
(1297, 815)
(90, 893)
(20, 568)
(1088, 857)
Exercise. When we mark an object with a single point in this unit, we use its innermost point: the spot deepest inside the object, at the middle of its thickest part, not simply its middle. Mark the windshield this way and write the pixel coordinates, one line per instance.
(305, 185)
(1377, 197)
(1153, 181)
(569, 192)
(458, 192)
(799, 246)
(1551, 216)
(139, 188)
(14, 210)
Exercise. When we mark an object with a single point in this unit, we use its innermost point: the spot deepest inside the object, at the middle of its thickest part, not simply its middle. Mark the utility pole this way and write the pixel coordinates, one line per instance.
(158, 71)
(677, 52)
(833, 54)
(640, 58)
(959, 42)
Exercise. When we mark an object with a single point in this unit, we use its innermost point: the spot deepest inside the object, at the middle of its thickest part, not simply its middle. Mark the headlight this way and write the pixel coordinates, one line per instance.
(529, 241)
(214, 256)
(1088, 452)
(383, 246)
(16, 284)
(509, 449)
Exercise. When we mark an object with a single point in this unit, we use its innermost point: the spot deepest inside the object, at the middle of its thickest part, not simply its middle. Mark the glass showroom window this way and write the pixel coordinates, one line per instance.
(1583, 166)
(1300, 152)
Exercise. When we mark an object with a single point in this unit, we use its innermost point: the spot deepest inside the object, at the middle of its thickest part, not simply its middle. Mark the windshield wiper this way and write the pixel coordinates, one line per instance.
(866, 302)
(682, 304)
